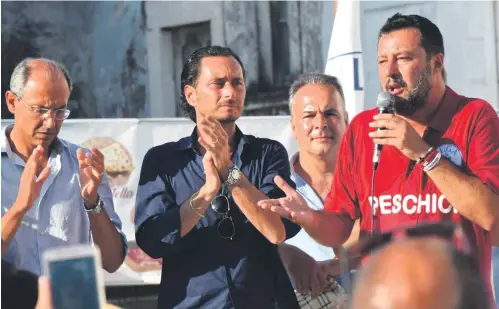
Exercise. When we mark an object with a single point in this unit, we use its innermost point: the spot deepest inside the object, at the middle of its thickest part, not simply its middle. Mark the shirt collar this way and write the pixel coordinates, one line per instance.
(293, 160)
(58, 144)
(302, 187)
(300, 182)
(445, 111)
(191, 142)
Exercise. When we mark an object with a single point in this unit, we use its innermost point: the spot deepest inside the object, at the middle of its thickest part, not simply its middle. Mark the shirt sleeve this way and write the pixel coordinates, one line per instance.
(107, 198)
(483, 149)
(157, 216)
(342, 198)
(278, 164)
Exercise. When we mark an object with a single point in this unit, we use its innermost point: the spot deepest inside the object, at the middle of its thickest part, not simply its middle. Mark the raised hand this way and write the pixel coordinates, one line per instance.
(398, 133)
(293, 206)
(30, 185)
(91, 166)
(213, 182)
(213, 138)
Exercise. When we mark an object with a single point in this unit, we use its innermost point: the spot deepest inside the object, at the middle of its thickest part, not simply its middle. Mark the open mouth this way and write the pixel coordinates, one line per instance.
(395, 89)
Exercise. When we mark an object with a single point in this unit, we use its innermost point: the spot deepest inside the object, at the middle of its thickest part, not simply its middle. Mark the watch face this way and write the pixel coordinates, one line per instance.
(236, 174)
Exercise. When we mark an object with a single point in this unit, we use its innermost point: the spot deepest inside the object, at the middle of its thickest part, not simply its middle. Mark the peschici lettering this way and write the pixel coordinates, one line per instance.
(411, 204)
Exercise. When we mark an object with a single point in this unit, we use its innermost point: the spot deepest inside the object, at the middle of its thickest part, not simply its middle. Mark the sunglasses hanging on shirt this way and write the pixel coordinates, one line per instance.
(226, 228)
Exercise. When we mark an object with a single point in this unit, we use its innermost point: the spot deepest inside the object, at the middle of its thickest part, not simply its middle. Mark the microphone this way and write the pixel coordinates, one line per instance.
(386, 105)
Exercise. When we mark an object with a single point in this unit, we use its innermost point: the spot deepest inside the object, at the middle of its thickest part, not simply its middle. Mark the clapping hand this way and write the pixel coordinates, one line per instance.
(91, 166)
(30, 184)
(214, 139)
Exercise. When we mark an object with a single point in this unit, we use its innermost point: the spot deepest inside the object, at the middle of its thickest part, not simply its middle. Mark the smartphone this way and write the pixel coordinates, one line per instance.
(76, 279)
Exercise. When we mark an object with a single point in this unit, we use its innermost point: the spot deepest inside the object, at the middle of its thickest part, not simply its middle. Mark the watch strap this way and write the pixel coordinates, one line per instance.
(97, 208)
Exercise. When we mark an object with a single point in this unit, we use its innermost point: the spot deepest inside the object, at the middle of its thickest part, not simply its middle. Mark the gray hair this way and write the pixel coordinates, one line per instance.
(22, 71)
(313, 79)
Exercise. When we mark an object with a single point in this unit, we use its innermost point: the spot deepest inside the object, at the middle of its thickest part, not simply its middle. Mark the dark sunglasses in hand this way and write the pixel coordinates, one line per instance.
(226, 228)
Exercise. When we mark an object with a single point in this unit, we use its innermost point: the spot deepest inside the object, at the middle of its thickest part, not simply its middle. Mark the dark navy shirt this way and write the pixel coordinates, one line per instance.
(202, 270)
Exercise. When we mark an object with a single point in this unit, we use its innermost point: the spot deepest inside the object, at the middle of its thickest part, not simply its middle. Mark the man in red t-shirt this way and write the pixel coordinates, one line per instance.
(440, 159)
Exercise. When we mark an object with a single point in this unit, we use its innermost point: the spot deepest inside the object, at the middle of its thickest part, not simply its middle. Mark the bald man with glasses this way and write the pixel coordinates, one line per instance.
(53, 192)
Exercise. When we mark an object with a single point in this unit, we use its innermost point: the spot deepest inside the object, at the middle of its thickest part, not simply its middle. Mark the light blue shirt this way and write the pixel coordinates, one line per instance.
(302, 240)
(58, 217)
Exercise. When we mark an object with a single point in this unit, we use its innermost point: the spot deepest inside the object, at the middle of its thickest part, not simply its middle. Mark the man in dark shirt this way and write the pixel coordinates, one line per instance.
(197, 199)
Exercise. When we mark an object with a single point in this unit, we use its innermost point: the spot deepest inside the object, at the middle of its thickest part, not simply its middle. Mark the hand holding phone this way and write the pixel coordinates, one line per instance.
(75, 276)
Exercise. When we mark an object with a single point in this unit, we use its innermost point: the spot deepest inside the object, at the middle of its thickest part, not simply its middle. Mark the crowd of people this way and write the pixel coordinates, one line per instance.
(239, 222)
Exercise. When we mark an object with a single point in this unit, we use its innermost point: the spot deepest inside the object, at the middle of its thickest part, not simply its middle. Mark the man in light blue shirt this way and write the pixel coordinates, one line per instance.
(318, 120)
(53, 193)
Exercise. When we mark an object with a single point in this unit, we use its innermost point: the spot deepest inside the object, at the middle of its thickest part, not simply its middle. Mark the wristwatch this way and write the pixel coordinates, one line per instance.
(234, 175)
(97, 208)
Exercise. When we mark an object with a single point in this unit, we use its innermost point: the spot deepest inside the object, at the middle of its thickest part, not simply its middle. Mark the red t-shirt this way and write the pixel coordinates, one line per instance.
(467, 133)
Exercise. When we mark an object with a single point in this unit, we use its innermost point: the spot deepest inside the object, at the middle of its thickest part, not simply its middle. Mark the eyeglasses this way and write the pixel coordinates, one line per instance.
(445, 230)
(60, 113)
(226, 228)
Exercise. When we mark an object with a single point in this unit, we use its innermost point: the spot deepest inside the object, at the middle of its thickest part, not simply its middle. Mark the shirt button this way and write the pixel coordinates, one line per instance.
(44, 231)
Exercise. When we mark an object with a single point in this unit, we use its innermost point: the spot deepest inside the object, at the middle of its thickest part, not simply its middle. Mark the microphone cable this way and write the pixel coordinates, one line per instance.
(386, 105)
(375, 167)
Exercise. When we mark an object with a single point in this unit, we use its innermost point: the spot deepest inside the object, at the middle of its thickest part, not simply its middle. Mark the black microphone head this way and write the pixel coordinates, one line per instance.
(385, 102)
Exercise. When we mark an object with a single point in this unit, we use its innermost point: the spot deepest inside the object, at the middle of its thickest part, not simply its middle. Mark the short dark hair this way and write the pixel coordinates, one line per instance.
(190, 72)
(314, 79)
(431, 38)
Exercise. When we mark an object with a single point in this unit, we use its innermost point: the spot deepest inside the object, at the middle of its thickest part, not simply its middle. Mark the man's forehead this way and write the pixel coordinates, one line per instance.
(409, 32)
(403, 39)
(45, 93)
(45, 89)
(308, 100)
(311, 94)
(220, 66)
(46, 81)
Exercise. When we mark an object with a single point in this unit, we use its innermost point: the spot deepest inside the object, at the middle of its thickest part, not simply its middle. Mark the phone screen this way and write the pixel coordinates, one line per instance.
(74, 283)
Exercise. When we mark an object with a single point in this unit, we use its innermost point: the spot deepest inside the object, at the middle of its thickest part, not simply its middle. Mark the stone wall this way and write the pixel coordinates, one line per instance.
(276, 40)
(102, 43)
(241, 35)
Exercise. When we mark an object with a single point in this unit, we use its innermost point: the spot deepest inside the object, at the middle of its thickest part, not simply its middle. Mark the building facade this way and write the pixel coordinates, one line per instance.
(126, 56)
(276, 41)
(279, 39)
(103, 44)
